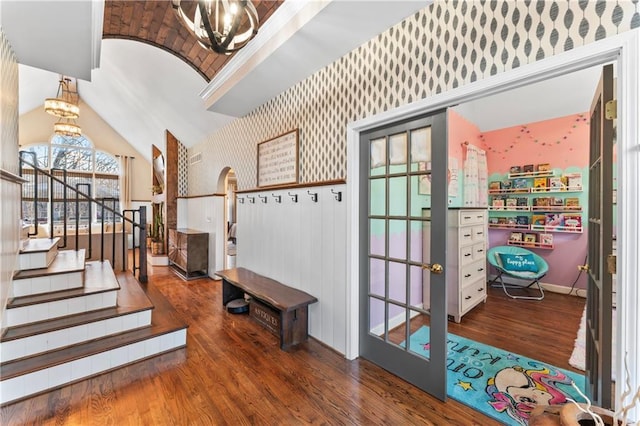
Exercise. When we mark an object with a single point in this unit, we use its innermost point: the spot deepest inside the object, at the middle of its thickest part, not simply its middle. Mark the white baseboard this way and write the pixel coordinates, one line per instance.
(553, 288)
(394, 322)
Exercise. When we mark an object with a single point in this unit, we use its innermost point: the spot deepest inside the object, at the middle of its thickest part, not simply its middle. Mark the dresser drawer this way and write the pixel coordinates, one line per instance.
(466, 255)
(465, 236)
(478, 233)
(472, 272)
(478, 251)
(471, 294)
(472, 217)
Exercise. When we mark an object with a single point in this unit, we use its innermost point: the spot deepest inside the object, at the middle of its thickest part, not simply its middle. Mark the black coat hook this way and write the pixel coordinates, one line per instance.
(294, 197)
(252, 200)
(337, 194)
(314, 196)
(264, 199)
(278, 198)
(241, 200)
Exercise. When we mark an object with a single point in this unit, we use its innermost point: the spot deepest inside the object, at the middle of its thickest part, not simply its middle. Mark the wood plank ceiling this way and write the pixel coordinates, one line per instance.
(155, 23)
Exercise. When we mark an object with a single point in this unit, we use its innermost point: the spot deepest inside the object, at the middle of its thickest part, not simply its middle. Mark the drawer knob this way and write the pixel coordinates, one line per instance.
(480, 269)
(467, 298)
(467, 275)
(467, 235)
(467, 254)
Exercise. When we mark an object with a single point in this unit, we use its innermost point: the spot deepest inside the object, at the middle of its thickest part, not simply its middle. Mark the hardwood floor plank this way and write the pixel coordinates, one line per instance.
(233, 372)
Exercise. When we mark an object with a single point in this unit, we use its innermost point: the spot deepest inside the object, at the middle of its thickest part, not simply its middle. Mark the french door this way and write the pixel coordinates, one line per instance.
(600, 228)
(403, 195)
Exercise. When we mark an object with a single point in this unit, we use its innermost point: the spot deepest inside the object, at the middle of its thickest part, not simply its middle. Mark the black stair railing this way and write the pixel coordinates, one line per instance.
(82, 207)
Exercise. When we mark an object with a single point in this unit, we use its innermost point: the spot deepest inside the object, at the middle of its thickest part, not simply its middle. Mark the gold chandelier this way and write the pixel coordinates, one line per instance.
(224, 26)
(63, 104)
(67, 127)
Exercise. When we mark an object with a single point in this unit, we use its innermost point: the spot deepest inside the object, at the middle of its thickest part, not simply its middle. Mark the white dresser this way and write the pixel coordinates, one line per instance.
(466, 267)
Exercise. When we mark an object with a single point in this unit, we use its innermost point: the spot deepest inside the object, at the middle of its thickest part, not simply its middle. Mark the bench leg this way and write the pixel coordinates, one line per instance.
(230, 292)
(293, 327)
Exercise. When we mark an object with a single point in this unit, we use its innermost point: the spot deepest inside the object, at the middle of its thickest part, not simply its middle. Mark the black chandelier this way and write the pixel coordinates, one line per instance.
(224, 26)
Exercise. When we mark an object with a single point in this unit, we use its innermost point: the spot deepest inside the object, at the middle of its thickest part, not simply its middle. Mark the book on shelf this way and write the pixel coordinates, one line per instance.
(540, 184)
(493, 221)
(515, 169)
(541, 201)
(538, 220)
(572, 202)
(520, 185)
(554, 220)
(546, 239)
(506, 185)
(515, 237)
(573, 221)
(522, 202)
(556, 201)
(543, 167)
(494, 185)
(574, 181)
(530, 240)
(511, 203)
(498, 203)
(511, 221)
(527, 168)
(522, 220)
(502, 221)
(557, 183)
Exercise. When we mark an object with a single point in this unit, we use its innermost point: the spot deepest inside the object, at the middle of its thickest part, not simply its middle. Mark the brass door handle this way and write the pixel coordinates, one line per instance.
(435, 268)
(584, 268)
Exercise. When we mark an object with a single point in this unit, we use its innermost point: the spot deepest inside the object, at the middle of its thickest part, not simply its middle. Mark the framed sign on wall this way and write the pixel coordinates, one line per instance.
(278, 160)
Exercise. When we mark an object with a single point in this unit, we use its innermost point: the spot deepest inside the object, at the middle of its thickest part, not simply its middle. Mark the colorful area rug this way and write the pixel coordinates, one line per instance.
(502, 385)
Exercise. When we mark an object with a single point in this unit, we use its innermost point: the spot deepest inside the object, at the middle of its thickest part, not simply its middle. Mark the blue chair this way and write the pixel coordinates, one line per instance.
(520, 263)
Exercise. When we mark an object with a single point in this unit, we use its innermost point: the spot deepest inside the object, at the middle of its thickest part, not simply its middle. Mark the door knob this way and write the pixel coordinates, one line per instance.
(435, 268)
(584, 268)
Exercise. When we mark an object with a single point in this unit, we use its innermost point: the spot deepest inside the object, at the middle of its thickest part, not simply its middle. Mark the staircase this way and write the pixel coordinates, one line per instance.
(71, 319)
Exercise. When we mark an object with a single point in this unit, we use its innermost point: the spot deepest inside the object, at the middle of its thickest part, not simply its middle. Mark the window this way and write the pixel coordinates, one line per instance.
(84, 165)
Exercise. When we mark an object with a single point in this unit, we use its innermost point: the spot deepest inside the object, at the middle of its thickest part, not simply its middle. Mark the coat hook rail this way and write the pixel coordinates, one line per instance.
(314, 196)
(294, 197)
(278, 198)
(337, 194)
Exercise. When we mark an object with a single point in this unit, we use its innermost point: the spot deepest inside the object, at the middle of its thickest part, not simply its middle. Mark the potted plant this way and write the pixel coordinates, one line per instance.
(157, 232)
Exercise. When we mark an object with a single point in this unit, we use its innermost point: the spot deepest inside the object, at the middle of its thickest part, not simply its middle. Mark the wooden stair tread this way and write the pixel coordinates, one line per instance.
(165, 320)
(98, 278)
(131, 299)
(66, 261)
(38, 245)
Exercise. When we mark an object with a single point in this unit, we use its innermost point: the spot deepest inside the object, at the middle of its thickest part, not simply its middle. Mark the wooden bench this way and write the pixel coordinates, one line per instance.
(283, 310)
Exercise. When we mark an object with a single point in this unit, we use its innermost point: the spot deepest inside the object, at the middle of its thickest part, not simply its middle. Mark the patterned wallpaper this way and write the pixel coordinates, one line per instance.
(183, 171)
(446, 45)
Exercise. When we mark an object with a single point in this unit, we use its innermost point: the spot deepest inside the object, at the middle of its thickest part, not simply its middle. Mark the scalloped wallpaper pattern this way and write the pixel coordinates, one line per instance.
(446, 45)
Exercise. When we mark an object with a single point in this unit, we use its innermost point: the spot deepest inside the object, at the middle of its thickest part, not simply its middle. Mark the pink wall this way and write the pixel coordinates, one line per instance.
(564, 144)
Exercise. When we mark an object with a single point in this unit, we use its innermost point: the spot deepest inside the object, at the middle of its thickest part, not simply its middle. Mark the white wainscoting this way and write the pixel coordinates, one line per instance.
(301, 244)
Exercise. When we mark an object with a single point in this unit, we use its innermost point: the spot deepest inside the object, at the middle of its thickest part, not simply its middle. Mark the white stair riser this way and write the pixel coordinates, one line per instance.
(60, 308)
(53, 377)
(47, 283)
(32, 345)
(27, 261)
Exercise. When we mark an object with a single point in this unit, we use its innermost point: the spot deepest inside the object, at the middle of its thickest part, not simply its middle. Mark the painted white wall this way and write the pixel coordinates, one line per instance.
(303, 245)
(204, 214)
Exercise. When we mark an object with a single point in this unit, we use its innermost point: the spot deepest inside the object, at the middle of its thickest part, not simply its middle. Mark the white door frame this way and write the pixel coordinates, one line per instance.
(623, 48)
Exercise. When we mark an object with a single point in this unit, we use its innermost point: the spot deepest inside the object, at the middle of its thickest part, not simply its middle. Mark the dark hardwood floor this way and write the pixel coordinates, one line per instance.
(232, 371)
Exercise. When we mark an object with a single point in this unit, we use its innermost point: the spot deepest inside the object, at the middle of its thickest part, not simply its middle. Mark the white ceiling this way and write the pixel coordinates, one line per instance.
(140, 90)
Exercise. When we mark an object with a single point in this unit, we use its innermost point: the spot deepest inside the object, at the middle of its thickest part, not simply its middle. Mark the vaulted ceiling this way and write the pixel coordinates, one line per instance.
(144, 73)
(156, 23)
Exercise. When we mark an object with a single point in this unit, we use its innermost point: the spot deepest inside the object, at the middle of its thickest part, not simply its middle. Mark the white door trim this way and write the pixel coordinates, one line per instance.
(624, 49)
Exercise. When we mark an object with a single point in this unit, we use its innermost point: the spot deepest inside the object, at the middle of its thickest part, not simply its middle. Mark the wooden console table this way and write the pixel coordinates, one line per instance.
(281, 309)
